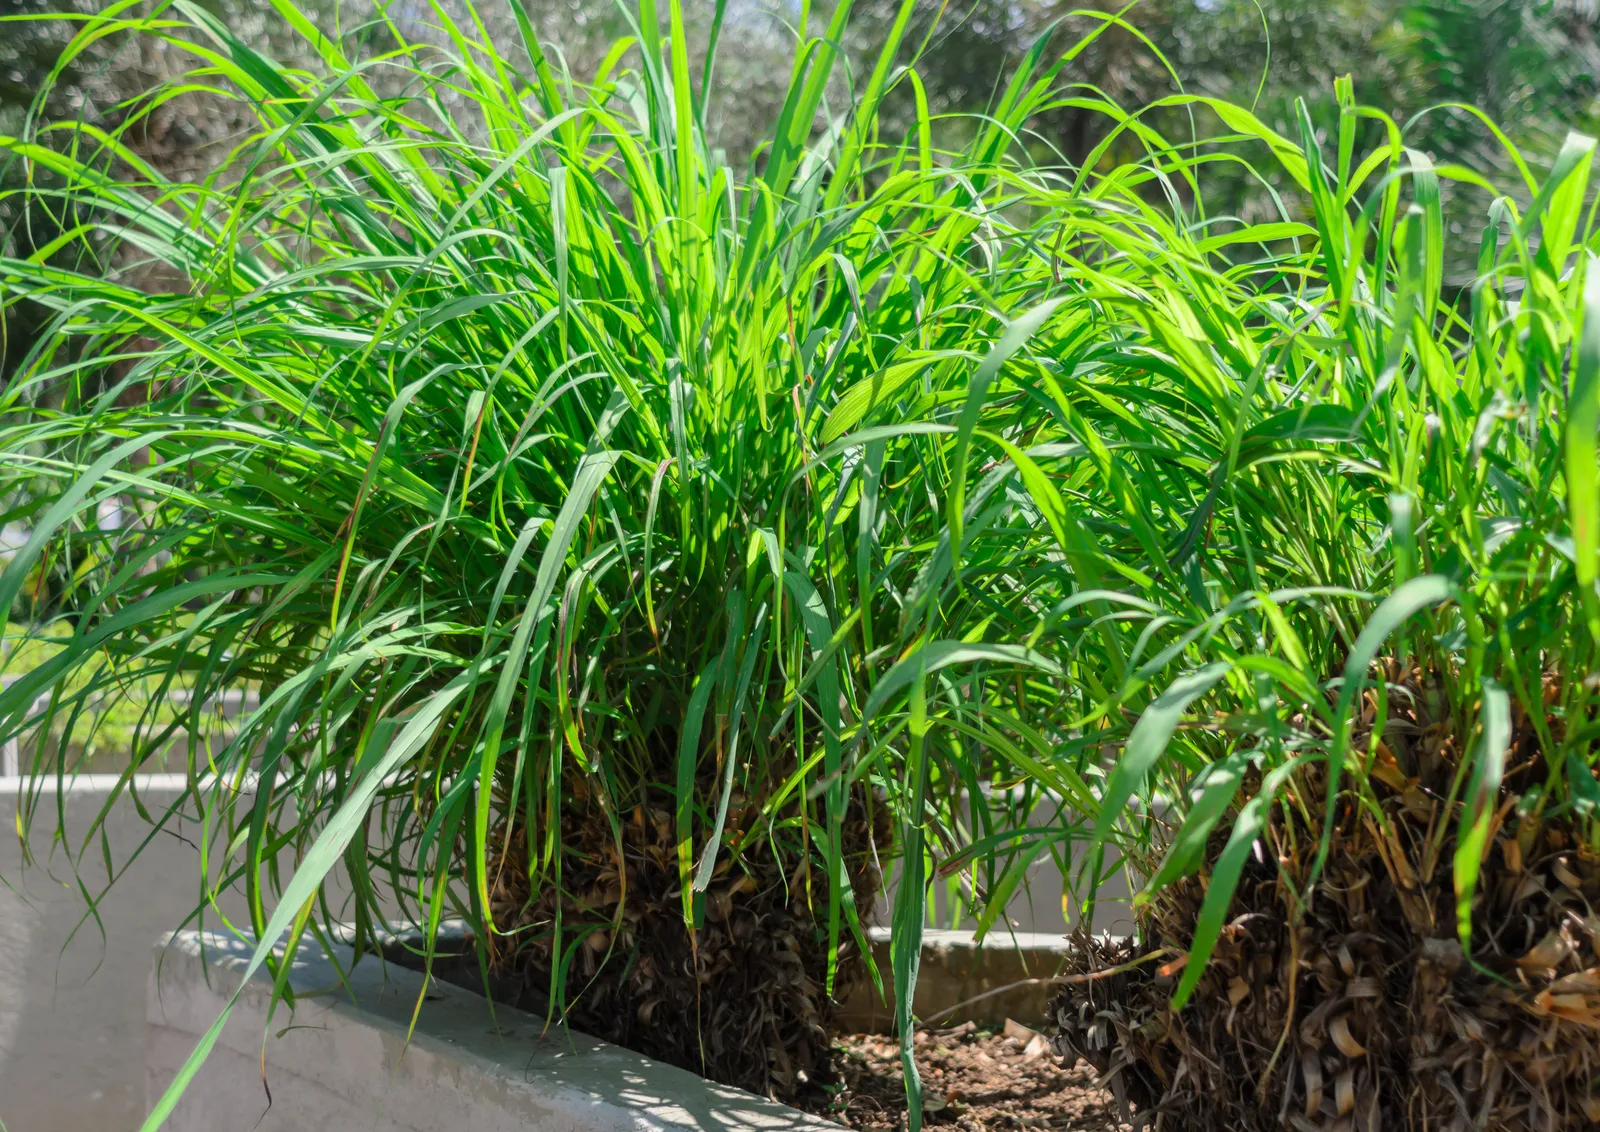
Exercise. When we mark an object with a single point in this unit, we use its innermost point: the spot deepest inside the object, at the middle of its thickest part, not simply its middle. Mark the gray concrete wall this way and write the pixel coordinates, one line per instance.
(1004, 976)
(1036, 908)
(348, 1061)
(72, 1001)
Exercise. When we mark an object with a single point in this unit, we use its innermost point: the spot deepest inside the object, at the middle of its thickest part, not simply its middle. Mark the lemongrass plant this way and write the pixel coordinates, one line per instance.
(613, 536)
(549, 476)
(1339, 528)
(1342, 463)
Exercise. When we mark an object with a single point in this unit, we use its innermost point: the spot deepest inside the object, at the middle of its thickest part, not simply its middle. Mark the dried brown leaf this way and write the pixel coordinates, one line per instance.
(1339, 1031)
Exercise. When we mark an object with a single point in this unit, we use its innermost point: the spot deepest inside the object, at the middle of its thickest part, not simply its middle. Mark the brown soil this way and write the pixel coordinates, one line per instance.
(1361, 1010)
(972, 1080)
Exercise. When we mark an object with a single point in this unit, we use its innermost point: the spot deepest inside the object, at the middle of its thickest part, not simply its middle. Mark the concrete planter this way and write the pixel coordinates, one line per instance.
(72, 1046)
(962, 981)
(342, 1061)
(343, 1064)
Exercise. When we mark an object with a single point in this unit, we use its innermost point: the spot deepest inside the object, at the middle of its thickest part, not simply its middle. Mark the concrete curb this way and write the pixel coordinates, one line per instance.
(958, 980)
(342, 1061)
(12, 785)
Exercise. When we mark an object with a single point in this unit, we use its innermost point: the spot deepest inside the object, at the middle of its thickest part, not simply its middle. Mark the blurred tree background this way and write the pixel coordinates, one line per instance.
(1531, 65)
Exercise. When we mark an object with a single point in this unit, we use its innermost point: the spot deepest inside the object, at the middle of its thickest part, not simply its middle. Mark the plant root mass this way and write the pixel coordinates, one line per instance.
(1365, 1012)
(742, 1001)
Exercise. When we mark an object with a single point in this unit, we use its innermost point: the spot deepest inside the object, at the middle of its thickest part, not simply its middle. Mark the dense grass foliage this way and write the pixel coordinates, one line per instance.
(522, 452)
(1389, 474)
(1355, 767)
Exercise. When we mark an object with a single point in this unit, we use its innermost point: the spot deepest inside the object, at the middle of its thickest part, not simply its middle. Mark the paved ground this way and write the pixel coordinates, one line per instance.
(72, 1003)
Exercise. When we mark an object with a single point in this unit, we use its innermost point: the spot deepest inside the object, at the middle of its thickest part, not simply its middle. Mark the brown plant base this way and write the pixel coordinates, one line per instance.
(1365, 1013)
(741, 1001)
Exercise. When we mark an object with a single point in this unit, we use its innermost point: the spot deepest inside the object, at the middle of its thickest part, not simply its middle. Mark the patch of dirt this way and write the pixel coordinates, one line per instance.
(972, 1081)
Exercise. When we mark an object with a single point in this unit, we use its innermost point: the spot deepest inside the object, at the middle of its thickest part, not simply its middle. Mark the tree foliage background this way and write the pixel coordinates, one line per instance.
(1531, 65)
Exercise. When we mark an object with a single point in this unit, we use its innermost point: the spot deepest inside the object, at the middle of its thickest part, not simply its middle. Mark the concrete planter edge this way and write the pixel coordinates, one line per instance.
(347, 1059)
(343, 1062)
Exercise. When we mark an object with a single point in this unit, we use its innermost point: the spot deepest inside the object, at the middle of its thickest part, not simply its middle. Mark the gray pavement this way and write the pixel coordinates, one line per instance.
(72, 1001)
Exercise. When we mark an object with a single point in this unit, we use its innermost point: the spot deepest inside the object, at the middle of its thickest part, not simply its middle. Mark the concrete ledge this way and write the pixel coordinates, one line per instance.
(962, 981)
(342, 1062)
(22, 784)
(1005, 976)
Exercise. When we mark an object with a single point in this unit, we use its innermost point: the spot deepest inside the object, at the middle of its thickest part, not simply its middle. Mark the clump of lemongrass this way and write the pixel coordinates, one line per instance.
(568, 495)
(1348, 548)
